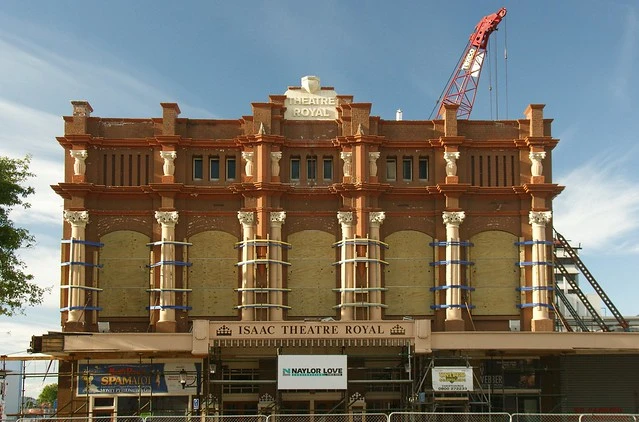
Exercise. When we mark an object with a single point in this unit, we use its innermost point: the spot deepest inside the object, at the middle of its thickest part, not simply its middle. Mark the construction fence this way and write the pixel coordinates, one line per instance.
(364, 417)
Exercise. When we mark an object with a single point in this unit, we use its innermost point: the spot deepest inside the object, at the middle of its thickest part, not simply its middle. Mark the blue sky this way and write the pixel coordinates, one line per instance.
(216, 57)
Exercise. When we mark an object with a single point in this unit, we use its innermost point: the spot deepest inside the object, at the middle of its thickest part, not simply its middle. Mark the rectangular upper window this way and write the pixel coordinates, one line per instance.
(391, 168)
(230, 168)
(311, 168)
(198, 168)
(295, 168)
(328, 168)
(423, 168)
(407, 169)
(214, 168)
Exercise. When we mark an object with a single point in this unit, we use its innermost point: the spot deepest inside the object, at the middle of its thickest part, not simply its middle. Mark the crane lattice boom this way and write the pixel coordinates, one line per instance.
(463, 83)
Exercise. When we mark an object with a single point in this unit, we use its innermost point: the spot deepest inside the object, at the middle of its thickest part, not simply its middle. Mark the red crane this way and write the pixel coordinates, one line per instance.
(462, 86)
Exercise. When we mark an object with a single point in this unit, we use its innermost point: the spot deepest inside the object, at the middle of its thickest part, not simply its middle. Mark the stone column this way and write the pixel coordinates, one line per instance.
(275, 272)
(374, 251)
(166, 322)
(454, 321)
(76, 303)
(346, 268)
(540, 318)
(247, 219)
(79, 166)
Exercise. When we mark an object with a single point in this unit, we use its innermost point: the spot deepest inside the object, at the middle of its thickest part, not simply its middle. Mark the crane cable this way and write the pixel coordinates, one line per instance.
(506, 61)
(490, 77)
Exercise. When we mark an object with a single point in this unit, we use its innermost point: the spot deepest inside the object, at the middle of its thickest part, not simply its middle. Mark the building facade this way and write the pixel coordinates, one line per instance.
(309, 257)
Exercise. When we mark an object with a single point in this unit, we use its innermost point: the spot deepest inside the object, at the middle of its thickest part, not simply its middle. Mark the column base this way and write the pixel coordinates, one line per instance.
(545, 324)
(454, 325)
(165, 326)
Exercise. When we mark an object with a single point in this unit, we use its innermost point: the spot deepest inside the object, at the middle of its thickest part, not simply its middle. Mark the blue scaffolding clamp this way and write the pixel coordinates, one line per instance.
(360, 241)
(82, 242)
(534, 288)
(80, 308)
(84, 264)
(452, 243)
(533, 263)
(452, 286)
(534, 305)
(175, 263)
(446, 306)
(453, 261)
(262, 242)
(535, 242)
(162, 307)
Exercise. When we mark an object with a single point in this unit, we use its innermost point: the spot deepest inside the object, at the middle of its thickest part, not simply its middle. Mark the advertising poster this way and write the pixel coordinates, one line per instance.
(452, 378)
(143, 378)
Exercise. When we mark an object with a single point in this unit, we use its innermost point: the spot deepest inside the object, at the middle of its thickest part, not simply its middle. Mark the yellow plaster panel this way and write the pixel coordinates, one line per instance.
(311, 276)
(213, 275)
(125, 276)
(494, 275)
(408, 276)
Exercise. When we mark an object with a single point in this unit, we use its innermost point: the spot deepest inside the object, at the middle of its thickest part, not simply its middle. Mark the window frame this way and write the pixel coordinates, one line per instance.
(391, 162)
(407, 169)
(329, 161)
(214, 159)
(231, 168)
(198, 168)
(426, 168)
(295, 164)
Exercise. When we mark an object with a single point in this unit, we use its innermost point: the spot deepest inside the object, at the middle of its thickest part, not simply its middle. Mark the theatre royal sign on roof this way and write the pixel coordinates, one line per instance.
(310, 102)
(312, 372)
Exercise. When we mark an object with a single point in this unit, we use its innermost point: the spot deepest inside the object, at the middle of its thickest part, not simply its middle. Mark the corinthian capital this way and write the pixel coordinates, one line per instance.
(345, 217)
(377, 217)
(76, 218)
(247, 218)
(453, 218)
(169, 218)
(539, 217)
(278, 217)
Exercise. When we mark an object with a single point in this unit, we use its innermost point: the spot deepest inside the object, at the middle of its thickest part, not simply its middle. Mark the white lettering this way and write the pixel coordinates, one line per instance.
(468, 59)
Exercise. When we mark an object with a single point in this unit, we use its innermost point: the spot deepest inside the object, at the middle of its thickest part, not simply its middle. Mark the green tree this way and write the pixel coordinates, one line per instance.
(48, 395)
(16, 287)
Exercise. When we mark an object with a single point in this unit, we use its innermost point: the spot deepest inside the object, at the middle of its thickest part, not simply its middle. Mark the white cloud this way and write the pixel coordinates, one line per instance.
(600, 205)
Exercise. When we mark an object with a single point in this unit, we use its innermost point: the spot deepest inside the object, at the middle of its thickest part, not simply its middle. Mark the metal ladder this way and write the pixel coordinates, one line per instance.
(604, 297)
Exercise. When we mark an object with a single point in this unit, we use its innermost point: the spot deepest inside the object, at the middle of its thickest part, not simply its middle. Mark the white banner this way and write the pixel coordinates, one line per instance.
(452, 378)
(312, 372)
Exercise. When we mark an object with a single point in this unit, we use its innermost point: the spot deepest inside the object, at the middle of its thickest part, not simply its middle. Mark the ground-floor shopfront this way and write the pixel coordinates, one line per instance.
(338, 367)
